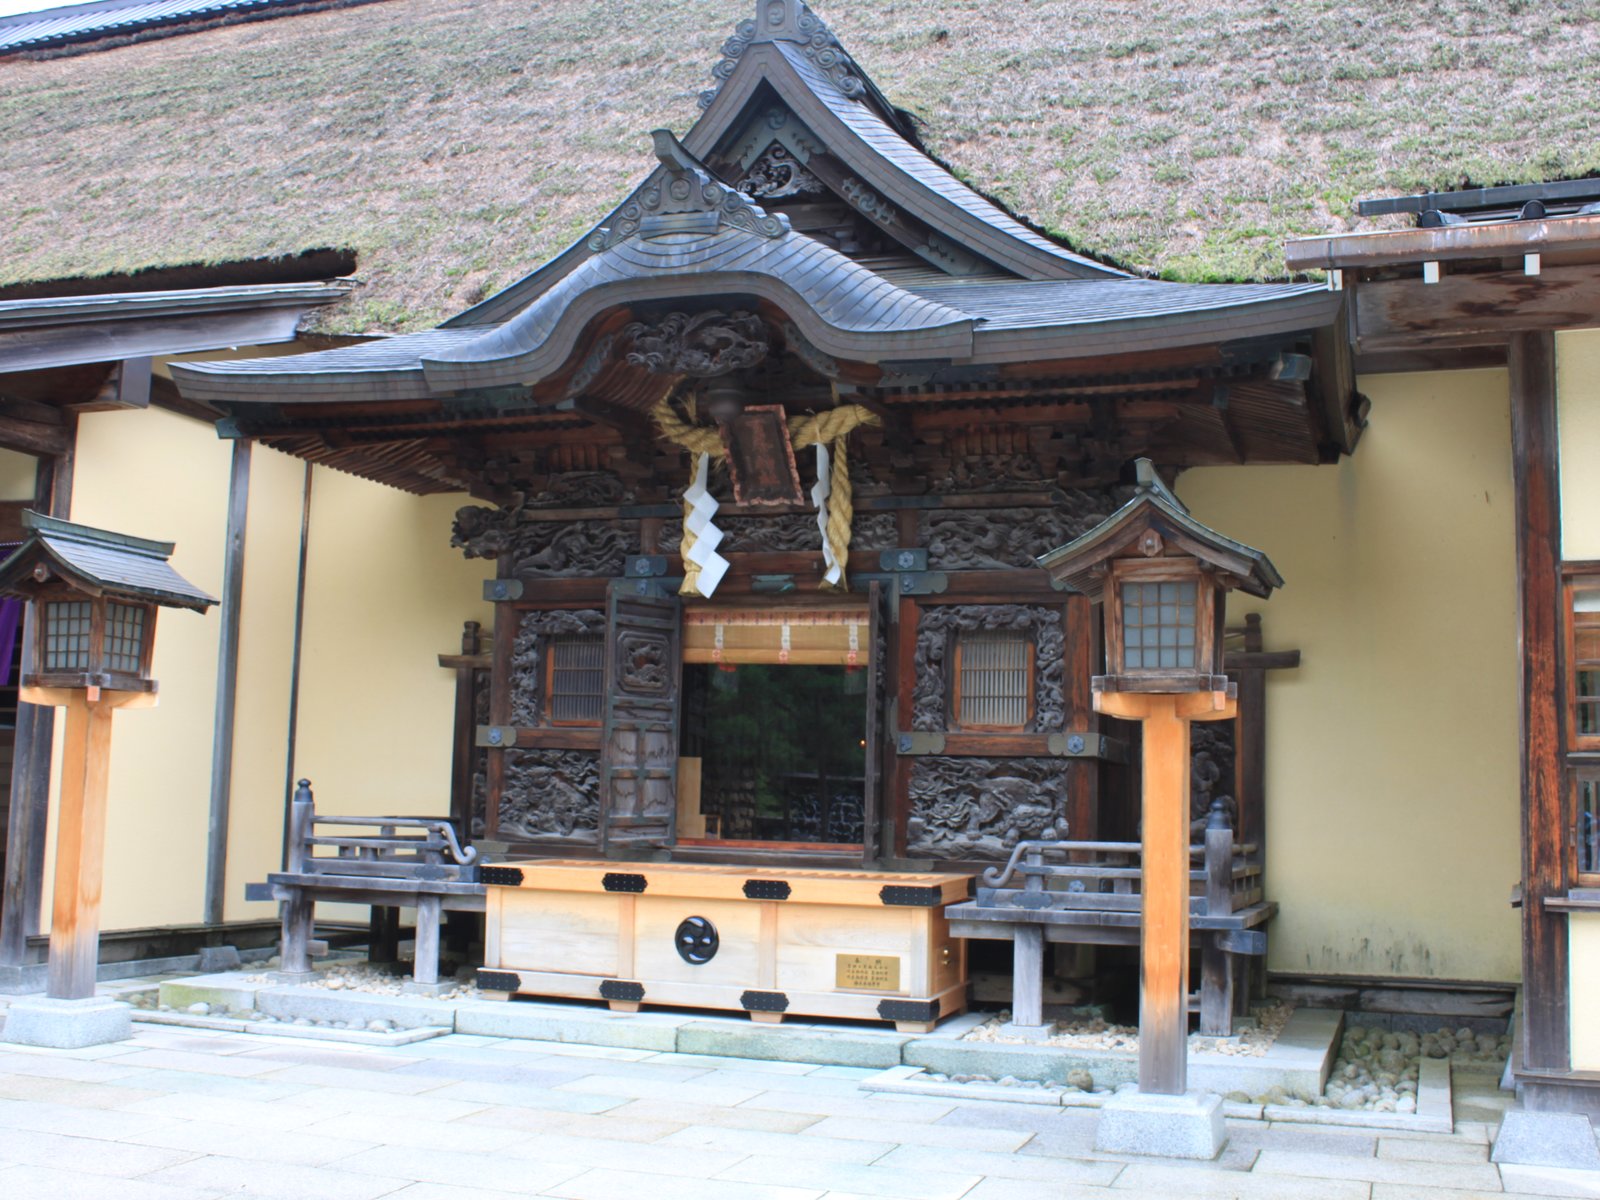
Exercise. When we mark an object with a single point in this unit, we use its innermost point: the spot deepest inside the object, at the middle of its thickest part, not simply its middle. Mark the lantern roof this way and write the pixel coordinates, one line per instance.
(1081, 563)
(98, 562)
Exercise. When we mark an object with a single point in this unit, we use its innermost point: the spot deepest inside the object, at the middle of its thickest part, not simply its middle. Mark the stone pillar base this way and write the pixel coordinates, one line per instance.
(1546, 1139)
(1187, 1126)
(1028, 1033)
(67, 1024)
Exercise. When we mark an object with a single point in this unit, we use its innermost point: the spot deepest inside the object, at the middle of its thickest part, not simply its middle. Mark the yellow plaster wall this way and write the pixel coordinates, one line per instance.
(17, 473)
(386, 595)
(155, 474)
(1578, 415)
(1583, 939)
(1392, 751)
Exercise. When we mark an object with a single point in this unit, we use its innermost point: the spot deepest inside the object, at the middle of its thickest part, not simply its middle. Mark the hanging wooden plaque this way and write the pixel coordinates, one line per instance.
(761, 457)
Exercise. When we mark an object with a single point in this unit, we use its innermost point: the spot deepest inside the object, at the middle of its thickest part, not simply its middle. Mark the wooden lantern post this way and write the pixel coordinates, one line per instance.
(96, 595)
(1161, 578)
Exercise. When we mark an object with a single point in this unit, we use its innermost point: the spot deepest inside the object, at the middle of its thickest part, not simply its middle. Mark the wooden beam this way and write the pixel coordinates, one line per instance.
(1485, 306)
(1545, 1028)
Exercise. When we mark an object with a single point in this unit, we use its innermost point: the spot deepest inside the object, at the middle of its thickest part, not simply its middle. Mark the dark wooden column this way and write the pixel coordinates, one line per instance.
(465, 747)
(1081, 627)
(21, 891)
(1545, 1031)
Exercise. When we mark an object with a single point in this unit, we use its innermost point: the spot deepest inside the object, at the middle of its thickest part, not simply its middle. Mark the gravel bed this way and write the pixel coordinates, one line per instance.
(1097, 1034)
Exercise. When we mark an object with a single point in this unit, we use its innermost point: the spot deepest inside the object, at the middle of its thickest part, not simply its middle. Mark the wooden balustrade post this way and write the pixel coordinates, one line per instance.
(1216, 965)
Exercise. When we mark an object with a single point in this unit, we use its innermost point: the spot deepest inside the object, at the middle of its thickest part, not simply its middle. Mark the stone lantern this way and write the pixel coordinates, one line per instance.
(96, 595)
(1162, 579)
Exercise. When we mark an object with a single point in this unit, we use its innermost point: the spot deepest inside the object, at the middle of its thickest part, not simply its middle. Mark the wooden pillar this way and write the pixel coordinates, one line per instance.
(81, 833)
(1081, 654)
(1027, 975)
(1164, 909)
(464, 751)
(425, 962)
(1545, 1022)
(227, 685)
(22, 887)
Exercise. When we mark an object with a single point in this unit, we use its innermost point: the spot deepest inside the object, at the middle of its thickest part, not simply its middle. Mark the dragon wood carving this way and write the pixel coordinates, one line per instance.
(989, 538)
(702, 345)
(551, 794)
(979, 808)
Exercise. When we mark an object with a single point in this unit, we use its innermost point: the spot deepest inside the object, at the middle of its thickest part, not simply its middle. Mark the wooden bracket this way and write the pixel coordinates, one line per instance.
(921, 583)
(1088, 745)
(910, 744)
(1242, 941)
(501, 590)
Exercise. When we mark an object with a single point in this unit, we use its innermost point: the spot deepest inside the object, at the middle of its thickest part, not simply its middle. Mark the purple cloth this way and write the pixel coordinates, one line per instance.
(10, 618)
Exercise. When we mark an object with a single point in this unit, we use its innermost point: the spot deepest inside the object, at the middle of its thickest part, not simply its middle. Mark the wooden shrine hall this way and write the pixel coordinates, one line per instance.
(763, 466)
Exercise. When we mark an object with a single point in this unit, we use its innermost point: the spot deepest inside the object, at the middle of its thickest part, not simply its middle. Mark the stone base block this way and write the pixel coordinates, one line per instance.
(1546, 1139)
(1187, 1126)
(218, 958)
(412, 988)
(67, 1024)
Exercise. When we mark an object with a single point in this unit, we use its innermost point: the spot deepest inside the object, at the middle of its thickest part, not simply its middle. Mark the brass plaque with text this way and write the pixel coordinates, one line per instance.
(867, 972)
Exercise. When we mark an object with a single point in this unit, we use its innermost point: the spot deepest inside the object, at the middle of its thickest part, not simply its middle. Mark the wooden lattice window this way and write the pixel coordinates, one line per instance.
(125, 637)
(1159, 625)
(1586, 823)
(575, 683)
(993, 680)
(66, 635)
(1583, 656)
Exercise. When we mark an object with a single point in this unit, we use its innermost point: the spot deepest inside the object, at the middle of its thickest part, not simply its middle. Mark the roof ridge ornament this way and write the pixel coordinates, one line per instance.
(682, 196)
(788, 21)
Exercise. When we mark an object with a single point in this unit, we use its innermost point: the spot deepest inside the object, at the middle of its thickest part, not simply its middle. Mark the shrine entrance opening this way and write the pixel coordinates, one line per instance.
(774, 728)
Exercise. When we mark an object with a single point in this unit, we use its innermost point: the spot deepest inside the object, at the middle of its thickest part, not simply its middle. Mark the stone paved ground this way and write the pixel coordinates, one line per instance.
(181, 1115)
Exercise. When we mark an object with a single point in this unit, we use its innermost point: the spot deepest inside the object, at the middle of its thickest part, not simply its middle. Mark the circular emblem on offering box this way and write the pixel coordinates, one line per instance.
(696, 940)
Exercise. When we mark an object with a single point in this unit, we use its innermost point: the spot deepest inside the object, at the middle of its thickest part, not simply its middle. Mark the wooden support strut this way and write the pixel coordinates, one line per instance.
(1164, 915)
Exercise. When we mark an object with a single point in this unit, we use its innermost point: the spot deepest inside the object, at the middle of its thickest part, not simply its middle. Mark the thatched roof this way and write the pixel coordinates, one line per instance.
(455, 144)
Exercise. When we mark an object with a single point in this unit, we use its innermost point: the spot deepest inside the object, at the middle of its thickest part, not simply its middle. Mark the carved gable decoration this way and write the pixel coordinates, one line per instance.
(701, 345)
(682, 196)
(788, 21)
(777, 174)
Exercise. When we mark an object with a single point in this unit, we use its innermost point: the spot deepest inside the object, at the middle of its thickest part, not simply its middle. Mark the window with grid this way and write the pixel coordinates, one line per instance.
(994, 680)
(1585, 694)
(1587, 824)
(576, 680)
(1158, 625)
(124, 637)
(66, 636)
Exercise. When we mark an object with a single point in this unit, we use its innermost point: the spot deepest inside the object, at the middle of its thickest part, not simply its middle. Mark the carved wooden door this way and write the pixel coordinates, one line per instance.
(639, 750)
(877, 673)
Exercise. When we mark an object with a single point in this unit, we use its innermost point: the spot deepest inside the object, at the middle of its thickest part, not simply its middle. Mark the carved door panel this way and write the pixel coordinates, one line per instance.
(639, 748)
(877, 675)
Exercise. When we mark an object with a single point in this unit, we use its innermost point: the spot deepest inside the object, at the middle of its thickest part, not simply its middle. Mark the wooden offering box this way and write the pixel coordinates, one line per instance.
(770, 942)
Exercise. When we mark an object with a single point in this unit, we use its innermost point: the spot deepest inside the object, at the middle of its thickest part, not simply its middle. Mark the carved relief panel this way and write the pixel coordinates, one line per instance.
(979, 808)
(639, 750)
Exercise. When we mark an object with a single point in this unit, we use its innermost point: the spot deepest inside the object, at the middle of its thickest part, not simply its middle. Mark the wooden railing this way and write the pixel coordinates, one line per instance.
(1106, 875)
(399, 847)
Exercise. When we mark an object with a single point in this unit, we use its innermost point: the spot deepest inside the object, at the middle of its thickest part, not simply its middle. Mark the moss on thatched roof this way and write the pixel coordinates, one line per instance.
(455, 144)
